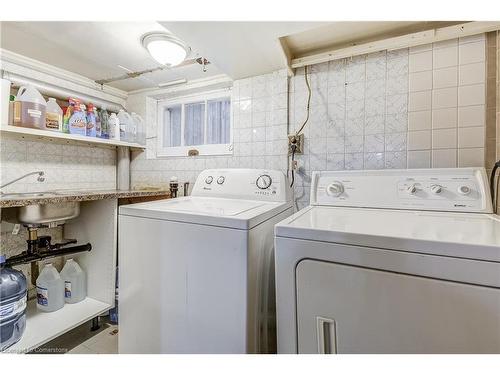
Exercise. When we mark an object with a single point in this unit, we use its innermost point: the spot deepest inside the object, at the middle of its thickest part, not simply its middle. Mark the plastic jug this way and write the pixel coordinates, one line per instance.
(103, 114)
(140, 129)
(78, 120)
(75, 283)
(114, 127)
(53, 116)
(91, 121)
(127, 128)
(13, 295)
(30, 109)
(49, 289)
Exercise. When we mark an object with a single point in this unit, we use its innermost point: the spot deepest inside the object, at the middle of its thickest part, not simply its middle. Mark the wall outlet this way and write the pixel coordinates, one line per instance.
(299, 142)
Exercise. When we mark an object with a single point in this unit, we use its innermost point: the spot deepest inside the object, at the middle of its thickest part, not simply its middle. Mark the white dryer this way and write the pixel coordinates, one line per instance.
(197, 272)
(392, 261)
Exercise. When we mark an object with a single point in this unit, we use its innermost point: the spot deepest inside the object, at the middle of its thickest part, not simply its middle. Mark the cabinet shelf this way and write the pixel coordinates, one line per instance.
(30, 133)
(42, 327)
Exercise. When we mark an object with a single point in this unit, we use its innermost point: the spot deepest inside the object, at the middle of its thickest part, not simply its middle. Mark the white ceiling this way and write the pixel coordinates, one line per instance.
(240, 49)
(237, 49)
(95, 49)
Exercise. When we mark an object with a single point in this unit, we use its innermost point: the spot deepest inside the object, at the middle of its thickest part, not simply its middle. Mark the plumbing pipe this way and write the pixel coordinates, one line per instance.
(28, 258)
(63, 93)
(122, 168)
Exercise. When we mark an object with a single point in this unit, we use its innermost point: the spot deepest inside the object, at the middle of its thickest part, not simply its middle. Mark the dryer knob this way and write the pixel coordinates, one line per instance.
(264, 181)
(221, 180)
(464, 190)
(335, 189)
(209, 180)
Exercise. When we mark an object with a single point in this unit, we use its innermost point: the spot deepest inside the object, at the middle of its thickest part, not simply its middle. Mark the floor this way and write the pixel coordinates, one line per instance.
(81, 340)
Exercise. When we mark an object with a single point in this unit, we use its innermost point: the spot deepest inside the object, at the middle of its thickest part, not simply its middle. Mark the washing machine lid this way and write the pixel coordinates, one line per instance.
(232, 213)
(464, 235)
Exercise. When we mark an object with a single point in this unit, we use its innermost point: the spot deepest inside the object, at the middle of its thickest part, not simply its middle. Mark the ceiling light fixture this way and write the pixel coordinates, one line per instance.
(165, 48)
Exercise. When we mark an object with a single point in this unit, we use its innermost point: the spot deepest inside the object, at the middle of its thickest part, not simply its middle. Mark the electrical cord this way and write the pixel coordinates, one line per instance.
(493, 191)
(293, 145)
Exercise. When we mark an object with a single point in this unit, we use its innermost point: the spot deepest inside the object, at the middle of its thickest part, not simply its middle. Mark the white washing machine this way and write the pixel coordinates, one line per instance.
(197, 272)
(392, 261)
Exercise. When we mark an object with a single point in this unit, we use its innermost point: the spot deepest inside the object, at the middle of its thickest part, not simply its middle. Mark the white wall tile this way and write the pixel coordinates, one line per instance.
(471, 116)
(420, 101)
(419, 159)
(419, 140)
(420, 120)
(471, 95)
(444, 138)
(472, 73)
(444, 118)
(445, 77)
(471, 157)
(444, 158)
(471, 137)
(421, 61)
(444, 57)
(444, 98)
(472, 53)
(420, 81)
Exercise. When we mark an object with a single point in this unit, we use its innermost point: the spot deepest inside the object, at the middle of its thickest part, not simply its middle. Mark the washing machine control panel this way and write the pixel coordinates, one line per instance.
(254, 184)
(450, 189)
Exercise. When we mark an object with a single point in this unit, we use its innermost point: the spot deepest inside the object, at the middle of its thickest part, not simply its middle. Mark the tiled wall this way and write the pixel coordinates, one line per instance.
(66, 166)
(259, 136)
(416, 108)
(447, 104)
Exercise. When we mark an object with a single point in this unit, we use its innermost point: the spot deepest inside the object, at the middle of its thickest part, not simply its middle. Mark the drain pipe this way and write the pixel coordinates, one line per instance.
(122, 168)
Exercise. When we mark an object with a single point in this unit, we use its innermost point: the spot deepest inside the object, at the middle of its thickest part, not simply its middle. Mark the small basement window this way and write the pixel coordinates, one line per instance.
(195, 125)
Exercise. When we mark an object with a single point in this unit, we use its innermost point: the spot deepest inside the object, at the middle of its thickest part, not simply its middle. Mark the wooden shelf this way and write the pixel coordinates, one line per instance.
(42, 327)
(70, 138)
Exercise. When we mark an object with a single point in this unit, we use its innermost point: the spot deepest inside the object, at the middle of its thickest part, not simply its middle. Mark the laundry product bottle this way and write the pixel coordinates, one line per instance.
(127, 128)
(75, 282)
(53, 116)
(91, 121)
(114, 127)
(104, 115)
(49, 289)
(78, 120)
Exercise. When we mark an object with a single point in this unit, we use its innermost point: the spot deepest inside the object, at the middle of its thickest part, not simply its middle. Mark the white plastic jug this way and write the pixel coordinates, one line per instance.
(54, 116)
(127, 128)
(49, 289)
(75, 282)
(140, 129)
(31, 111)
(114, 127)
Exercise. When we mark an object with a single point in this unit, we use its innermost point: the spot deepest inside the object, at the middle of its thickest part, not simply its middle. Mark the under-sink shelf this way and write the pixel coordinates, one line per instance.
(30, 133)
(42, 327)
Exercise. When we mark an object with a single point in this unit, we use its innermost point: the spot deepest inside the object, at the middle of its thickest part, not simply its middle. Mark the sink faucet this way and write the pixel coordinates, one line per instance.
(40, 178)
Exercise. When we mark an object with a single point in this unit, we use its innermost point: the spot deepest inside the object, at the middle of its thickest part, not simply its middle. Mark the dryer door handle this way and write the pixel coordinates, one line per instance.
(326, 334)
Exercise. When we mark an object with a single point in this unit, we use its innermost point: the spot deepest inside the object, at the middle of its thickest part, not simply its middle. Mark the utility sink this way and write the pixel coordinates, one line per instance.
(39, 213)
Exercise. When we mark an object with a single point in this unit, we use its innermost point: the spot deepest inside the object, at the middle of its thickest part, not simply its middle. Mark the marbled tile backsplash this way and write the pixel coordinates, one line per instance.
(74, 167)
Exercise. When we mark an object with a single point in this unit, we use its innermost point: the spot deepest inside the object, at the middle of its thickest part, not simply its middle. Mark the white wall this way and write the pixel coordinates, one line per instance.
(418, 107)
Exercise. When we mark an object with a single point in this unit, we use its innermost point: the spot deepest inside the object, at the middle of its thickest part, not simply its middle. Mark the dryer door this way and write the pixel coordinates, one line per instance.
(348, 309)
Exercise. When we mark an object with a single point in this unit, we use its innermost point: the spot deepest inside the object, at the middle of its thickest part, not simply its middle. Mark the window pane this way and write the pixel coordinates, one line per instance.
(172, 126)
(194, 123)
(218, 121)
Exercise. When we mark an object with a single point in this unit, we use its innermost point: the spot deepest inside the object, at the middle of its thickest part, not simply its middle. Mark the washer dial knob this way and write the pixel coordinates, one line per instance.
(209, 180)
(264, 181)
(412, 189)
(221, 180)
(335, 189)
(436, 189)
(464, 190)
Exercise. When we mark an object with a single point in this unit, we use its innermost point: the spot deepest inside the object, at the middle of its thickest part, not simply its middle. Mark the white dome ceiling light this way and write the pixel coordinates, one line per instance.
(165, 48)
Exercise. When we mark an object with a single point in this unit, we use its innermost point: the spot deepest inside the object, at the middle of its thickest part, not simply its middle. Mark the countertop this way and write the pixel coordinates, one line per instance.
(26, 199)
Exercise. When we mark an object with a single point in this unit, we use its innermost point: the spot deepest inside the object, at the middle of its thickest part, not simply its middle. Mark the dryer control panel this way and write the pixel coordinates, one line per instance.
(253, 184)
(443, 189)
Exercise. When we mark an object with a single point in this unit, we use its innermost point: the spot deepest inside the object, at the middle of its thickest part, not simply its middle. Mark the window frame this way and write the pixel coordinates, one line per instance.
(204, 149)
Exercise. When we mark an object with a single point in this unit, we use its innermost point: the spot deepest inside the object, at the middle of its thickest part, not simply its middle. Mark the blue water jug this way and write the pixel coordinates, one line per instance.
(13, 296)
